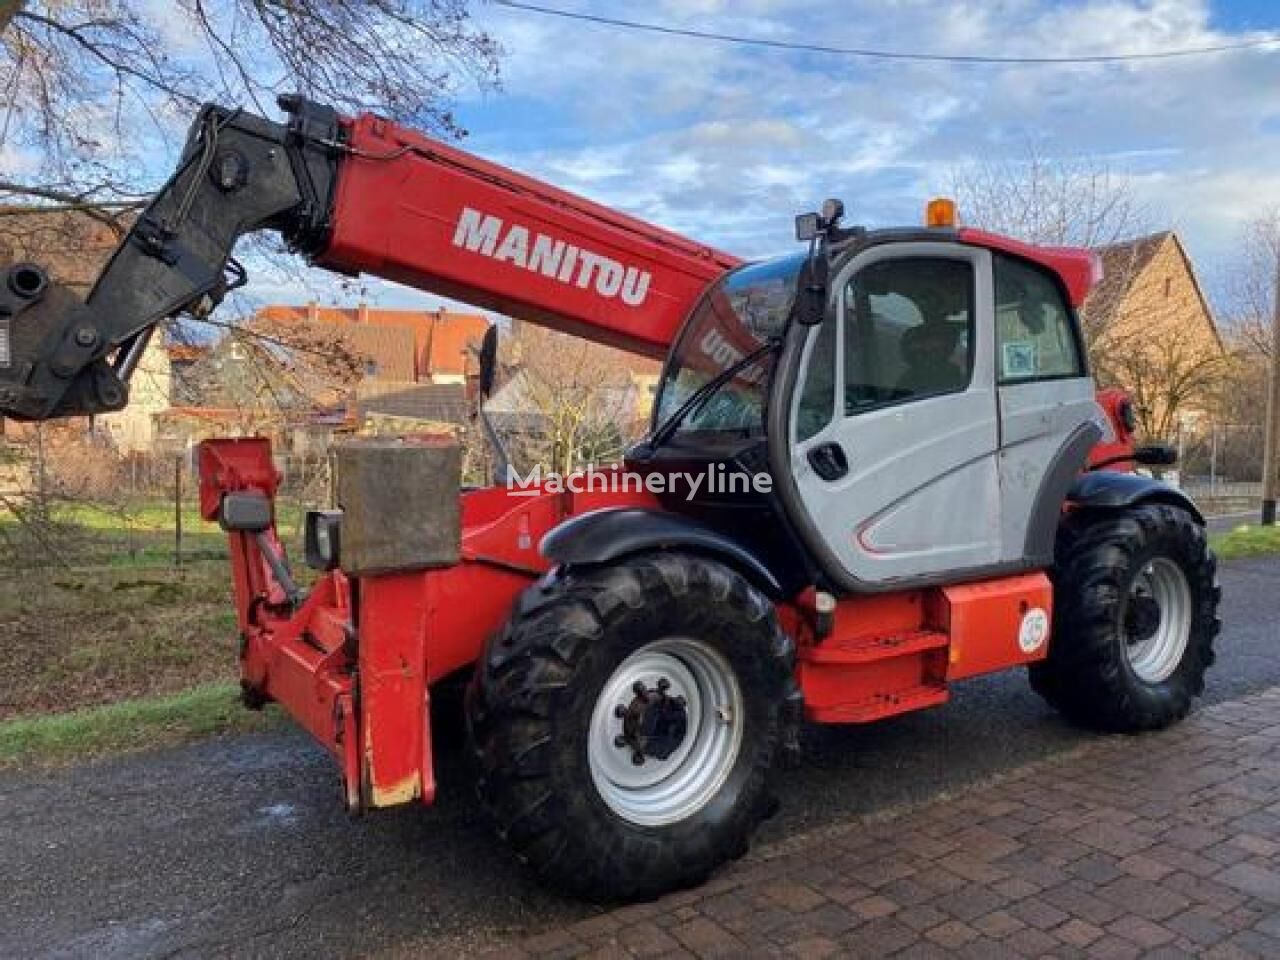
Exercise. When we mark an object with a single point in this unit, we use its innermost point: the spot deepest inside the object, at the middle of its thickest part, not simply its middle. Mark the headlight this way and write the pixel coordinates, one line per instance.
(324, 539)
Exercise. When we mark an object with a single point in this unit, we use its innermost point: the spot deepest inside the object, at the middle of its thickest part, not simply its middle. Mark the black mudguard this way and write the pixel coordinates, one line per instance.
(1109, 490)
(605, 535)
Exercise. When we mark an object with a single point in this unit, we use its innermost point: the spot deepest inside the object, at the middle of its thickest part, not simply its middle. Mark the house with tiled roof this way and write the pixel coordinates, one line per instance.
(1151, 331)
(442, 347)
(413, 366)
(253, 382)
(429, 406)
(382, 353)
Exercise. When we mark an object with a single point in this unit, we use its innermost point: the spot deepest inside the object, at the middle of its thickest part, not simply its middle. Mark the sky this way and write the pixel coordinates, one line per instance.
(727, 143)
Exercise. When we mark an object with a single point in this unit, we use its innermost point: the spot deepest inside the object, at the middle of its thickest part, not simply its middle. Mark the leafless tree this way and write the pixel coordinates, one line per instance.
(1165, 375)
(1250, 284)
(271, 372)
(95, 88)
(1040, 197)
(577, 399)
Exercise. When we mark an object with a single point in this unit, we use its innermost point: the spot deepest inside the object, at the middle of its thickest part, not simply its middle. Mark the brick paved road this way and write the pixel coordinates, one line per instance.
(1166, 845)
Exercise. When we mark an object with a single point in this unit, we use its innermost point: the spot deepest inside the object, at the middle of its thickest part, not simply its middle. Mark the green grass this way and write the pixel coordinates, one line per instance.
(200, 712)
(137, 534)
(157, 516)
(1246, 540)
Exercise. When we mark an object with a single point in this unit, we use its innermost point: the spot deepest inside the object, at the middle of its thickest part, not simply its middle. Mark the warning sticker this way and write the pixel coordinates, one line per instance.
(4, 343)
(1034, 630)
(1020, 359)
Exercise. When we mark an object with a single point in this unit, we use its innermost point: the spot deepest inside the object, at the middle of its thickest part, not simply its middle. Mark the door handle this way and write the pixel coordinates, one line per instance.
(828, 461)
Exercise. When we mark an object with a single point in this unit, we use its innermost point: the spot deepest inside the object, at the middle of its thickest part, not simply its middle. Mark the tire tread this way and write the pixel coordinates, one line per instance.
(512, 713)
(1084, 676)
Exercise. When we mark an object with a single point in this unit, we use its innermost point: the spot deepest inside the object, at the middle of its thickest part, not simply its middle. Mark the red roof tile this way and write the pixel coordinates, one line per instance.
(441, 338)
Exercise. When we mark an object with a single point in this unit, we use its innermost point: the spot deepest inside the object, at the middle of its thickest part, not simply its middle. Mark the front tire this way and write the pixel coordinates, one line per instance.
(626, 721)
(1135, 617)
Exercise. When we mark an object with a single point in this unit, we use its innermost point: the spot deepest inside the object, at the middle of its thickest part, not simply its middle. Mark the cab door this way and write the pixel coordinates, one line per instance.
(1049, 415)
(894, 418)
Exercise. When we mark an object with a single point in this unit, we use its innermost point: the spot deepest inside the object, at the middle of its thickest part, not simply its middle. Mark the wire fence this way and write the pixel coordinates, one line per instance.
(75, 502)
(69, 499)
(1222, 457)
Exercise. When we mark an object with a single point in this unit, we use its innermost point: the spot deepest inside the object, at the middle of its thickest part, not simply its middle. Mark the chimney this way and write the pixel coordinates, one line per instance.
(362, 313)
(313, 312)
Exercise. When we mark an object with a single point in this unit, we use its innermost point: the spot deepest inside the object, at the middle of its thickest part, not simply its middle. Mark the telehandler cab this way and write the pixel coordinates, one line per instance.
(931, 489)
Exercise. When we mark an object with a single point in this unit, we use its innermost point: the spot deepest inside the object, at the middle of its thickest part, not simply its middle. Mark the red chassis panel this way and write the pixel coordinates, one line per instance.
(354, 664)
(1120, 443)
(368, 701)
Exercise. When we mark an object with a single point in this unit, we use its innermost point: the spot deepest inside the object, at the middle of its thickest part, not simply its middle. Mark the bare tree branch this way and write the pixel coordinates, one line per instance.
(91, 86)
(98, 210)
(1042, 198)
(8, 10)
(1250, 285)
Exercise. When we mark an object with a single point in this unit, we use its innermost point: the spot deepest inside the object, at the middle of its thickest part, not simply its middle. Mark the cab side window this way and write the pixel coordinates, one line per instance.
(908, 331)
(1035, 328)
(817, 395)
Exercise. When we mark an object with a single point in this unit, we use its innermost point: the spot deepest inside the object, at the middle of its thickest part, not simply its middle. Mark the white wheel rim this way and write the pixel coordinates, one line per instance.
(1154, 656)
(657, 791)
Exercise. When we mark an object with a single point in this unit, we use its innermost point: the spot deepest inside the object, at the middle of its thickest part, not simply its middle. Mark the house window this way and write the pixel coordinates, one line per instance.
(1168, 287)
(371, 368)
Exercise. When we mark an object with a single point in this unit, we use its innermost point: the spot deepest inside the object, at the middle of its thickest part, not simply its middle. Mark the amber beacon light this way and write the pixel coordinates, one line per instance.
(940, 212)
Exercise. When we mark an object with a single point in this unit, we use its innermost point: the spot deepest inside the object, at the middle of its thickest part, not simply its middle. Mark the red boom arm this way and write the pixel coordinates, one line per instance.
(415, 210)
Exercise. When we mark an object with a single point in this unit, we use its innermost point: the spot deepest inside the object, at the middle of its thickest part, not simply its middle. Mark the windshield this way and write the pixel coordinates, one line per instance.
(748, 308)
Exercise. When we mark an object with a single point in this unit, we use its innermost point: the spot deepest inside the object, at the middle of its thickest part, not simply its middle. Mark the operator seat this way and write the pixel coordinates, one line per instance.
(928, 350)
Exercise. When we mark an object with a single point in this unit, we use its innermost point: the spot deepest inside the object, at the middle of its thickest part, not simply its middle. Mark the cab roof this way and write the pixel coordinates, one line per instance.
(1079, 268)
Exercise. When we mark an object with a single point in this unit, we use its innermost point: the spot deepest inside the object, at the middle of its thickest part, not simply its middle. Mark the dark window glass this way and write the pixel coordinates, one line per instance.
(908, 329)
(1035, 329)
(747, 309)
(817, 396)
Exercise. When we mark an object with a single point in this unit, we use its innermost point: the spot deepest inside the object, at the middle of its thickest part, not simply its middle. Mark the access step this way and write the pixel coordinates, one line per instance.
(881, 705)
(870, 649)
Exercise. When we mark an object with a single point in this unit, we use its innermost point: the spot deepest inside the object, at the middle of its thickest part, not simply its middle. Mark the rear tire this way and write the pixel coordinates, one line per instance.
(626, 721)
(1135, 616)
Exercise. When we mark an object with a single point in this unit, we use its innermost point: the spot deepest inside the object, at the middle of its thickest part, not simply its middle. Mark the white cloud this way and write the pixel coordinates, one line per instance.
(727, 143)
(716, 138)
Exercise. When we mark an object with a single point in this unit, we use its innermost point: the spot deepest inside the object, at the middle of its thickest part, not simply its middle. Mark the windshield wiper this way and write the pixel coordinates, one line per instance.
(700, 396)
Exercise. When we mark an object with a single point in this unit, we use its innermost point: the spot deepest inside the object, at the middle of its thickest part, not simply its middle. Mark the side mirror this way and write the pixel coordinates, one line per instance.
(488, 360)
(811, 297)
(324, 539)
(245, 513)
(1155, 455)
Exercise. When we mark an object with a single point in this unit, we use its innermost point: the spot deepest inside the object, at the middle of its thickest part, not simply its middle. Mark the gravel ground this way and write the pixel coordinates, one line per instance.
(239, 847)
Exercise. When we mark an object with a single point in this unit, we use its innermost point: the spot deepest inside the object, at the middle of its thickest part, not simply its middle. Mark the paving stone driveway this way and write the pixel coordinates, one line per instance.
(1162, 845)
